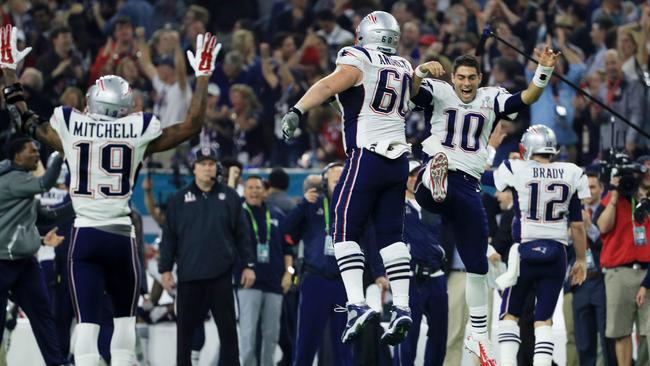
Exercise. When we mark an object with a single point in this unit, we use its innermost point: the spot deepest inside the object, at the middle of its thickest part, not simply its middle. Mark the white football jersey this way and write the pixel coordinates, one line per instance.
(103, 157)
(543, 194)
(374, 110)
(463, 129)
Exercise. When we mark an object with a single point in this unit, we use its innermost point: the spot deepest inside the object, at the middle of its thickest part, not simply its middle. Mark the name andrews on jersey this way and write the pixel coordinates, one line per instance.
(104, 130)
(385, 60)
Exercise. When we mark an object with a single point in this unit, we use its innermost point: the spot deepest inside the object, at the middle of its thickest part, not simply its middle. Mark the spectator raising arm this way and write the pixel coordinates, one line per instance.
(203, 65)
(267, 66)
(146, 65)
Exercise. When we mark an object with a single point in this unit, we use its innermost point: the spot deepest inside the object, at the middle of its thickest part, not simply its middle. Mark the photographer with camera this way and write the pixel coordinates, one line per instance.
(622, 218)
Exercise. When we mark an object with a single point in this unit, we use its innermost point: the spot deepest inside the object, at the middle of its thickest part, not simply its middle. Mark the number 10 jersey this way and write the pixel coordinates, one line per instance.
(374, 109)
(463, 129)
(104, 157)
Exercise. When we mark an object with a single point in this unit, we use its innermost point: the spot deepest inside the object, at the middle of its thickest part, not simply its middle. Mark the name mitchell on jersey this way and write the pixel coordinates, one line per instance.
(109, 129)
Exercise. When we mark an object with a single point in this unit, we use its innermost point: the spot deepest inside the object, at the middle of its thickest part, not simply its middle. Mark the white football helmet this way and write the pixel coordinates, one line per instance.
(538, 139)
(379, 31)
(111, 97)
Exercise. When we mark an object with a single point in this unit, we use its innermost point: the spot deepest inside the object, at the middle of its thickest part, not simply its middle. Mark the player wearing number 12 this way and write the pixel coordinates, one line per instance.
(373, 86)
(104, 150)
(546, 194)
(462, 117)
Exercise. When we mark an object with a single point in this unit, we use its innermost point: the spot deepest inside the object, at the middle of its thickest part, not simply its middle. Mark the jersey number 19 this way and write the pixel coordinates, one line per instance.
(114, 160)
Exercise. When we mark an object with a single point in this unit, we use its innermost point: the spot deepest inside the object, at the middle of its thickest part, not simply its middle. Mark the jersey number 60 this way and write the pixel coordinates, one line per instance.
(387, 92)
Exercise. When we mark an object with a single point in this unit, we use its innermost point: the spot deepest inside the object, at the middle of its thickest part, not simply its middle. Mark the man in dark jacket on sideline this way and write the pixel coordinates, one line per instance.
(20, 240)
(205, 231)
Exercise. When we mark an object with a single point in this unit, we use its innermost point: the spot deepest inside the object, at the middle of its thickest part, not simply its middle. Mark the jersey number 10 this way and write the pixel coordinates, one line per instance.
(114, 160)
(472, 125)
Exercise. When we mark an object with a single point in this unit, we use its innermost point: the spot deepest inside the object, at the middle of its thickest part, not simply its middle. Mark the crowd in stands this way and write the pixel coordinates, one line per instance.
(274, 50)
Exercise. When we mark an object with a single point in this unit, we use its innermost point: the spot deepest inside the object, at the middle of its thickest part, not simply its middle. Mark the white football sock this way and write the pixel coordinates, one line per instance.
(123, 342)
(509, 342)
(351, 262)
(476, 297)
(397, 261)
(543, 346)
(85, 348)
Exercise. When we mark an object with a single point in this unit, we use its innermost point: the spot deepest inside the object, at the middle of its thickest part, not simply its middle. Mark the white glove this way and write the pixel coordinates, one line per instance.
(207, 50)
(9, 54)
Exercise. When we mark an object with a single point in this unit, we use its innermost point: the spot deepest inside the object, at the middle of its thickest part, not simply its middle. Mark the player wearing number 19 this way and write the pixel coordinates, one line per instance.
(105, 148)
(373, 86)
(462, 117)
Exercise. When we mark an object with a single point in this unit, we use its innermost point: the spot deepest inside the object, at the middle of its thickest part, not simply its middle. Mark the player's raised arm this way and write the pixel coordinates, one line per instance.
(343, 77)
(547, 59)
(427, 69)
(203, 64)
(30, 123)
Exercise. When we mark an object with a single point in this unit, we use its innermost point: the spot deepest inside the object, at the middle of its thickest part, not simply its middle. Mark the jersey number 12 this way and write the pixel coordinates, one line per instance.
(561, 192)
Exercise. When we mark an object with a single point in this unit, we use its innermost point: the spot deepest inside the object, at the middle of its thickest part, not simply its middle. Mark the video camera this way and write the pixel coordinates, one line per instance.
(619, 164)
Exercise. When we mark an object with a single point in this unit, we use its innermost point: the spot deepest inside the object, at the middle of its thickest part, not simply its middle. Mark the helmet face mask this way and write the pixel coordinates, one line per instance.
(110, 97)
(538, 139)
(379, 31)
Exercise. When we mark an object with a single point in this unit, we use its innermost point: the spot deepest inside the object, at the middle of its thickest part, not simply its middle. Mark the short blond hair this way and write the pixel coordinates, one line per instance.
(248, 94)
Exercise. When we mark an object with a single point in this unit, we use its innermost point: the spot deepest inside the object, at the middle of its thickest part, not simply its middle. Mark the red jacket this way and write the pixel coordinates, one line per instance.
(618, 243)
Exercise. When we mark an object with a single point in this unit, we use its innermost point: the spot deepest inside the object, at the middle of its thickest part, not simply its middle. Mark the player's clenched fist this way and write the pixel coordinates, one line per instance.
(9, 54)
(207, 50)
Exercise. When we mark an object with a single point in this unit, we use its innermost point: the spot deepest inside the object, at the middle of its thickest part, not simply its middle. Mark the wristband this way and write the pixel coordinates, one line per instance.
(13, 88)
(492, 152)
(421, 74)
(297, 110)
(15, 98)
(542, 76)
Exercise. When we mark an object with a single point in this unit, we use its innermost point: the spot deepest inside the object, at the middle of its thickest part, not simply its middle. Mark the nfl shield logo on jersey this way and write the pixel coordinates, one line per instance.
(487, 103)
(222, 196)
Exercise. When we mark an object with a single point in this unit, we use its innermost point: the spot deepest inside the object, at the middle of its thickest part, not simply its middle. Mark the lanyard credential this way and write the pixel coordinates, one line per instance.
(254, 223)
(326, 212)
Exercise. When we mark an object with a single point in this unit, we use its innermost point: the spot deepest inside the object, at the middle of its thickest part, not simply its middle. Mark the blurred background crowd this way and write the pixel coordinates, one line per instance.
(274, 50)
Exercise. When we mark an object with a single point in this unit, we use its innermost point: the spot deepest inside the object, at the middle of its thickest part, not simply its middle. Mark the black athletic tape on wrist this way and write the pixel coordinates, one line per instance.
(296, 111)
(15, 99)
(11, 89)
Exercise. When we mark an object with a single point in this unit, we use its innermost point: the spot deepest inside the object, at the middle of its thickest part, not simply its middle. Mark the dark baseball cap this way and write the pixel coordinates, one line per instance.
(206, 152)
(642, 159)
